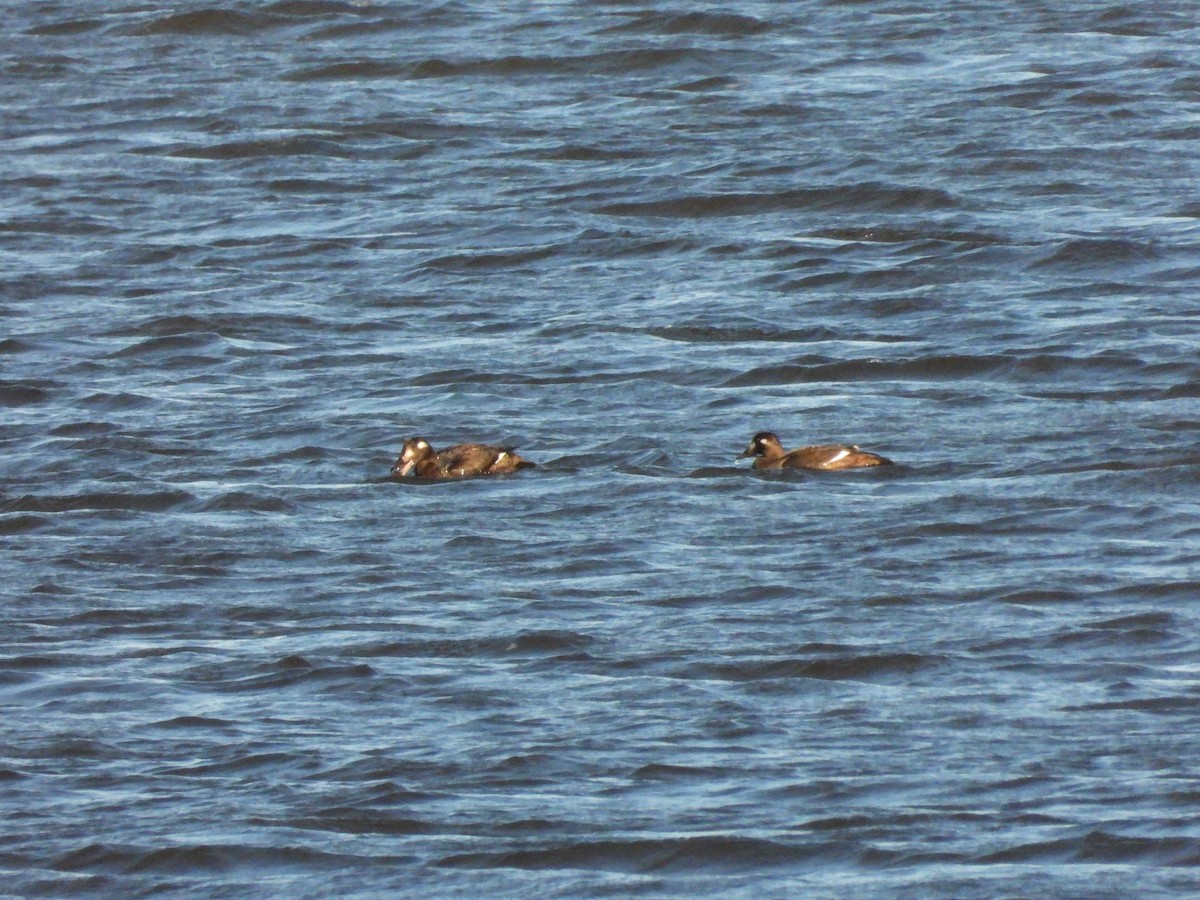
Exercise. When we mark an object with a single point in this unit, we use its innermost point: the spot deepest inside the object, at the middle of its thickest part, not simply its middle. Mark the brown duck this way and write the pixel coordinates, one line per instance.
(771, 455)
(461, 461)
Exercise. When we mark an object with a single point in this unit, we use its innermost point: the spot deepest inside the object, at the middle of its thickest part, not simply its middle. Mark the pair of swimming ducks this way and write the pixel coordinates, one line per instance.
(466, 460)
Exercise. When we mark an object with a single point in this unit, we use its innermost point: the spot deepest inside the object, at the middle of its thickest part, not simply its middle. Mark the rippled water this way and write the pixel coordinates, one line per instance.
(248, 248)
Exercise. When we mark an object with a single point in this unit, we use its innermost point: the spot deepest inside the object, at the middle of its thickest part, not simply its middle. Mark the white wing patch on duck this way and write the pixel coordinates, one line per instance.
(841, 454)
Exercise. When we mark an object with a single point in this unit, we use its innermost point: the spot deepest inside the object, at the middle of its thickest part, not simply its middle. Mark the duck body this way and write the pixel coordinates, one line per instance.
(768, 452)
(461, 461)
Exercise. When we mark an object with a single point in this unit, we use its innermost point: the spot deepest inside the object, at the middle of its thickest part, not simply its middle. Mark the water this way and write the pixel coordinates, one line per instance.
(249, 248)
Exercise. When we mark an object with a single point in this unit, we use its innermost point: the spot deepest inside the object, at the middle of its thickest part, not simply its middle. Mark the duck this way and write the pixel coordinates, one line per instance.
(461, 461)
(769, 454)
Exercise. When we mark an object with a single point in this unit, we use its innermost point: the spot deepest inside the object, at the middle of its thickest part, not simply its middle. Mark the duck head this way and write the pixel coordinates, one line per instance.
(763, 444)
(415, 451)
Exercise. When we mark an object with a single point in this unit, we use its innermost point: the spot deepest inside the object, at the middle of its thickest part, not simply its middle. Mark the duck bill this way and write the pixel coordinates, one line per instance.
(748, 453)
(403, 467)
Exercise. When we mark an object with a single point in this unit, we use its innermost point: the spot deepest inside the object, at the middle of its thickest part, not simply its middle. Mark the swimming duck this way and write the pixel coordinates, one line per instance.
(461, 461)
(771, 455)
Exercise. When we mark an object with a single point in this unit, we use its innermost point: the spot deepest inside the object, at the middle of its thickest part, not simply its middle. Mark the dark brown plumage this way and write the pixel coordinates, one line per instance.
(769, 454)
(461, 461)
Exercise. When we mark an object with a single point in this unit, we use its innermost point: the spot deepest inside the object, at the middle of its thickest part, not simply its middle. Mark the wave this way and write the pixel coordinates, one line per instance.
(875, 197)
(1102, 847)
(168, 344)
(352, 70)
(895, 234)
(150, 501)
(22, 524)
(710, 22)
(119, 401)
(286, 672)
(1165, 705)
(708, 853)
(66, 27)
(701, 333)
(301, 9)
(364, 821)
(1093, 252)
(213, 21)
(513, 66)
(187, 723)
(867, 667)
(489, 261)
(526, 643)
(245, 501)
(23, 393)
(1035, 366)
(268, 148)
(195, 858)
(226, 325)
(691, 376)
